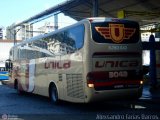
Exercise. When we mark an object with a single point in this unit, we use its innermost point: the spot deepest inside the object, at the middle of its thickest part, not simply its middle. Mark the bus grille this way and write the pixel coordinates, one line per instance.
(75, 86)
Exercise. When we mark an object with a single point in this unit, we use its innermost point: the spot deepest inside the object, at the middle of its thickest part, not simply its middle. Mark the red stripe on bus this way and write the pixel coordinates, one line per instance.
(158, 65)
(117, 53)
(98, 84)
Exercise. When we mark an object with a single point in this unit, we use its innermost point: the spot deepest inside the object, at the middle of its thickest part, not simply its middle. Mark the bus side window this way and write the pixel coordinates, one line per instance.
(66, 42)
(31, 54)
(22, 54)
(74, 38)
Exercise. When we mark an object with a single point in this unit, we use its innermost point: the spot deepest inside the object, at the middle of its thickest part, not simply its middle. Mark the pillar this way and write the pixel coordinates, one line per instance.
(55, 21)
(95, 8)
(152, 67)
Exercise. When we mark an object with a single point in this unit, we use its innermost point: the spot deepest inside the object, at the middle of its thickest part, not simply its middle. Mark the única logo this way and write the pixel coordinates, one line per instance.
(116, 32)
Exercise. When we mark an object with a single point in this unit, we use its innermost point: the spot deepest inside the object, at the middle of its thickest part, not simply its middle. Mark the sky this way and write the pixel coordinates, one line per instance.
(12, 11)
(15, 11)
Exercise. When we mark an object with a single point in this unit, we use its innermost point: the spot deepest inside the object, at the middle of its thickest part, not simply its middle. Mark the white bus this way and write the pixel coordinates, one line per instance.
(95, 59)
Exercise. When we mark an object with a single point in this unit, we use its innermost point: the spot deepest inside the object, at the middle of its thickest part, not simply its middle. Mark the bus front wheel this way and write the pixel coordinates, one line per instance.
(16, 86)
(54, 94)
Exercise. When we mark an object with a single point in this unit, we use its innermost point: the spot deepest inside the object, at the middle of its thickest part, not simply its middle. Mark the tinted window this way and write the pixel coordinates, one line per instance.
(22, 54)
(67, 41)
(64, 42)
(123, 32)
(31, 54)
(75, 37)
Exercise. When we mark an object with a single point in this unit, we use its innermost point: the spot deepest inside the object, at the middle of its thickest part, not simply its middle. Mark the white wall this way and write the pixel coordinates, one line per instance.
(4, 50)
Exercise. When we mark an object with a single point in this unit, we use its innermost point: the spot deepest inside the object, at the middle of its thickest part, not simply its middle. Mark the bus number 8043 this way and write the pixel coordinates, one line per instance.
(117, 74)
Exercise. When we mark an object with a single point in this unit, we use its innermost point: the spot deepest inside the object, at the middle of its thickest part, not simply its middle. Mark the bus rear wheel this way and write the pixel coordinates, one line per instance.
(54, 94)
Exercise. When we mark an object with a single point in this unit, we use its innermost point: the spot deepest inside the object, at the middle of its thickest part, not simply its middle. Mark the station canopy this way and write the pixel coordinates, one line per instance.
(143, 11)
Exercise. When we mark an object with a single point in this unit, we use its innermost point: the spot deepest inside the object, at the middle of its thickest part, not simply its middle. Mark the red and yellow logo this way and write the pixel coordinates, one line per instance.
(116, 32)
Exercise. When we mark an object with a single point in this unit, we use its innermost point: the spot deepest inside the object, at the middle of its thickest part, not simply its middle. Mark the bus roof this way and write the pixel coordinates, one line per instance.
(92, 19)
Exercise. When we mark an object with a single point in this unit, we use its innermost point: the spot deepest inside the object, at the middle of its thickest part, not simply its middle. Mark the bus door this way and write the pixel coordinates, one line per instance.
(23, 75)
(31, 75)
(26, 70)
(27, 75)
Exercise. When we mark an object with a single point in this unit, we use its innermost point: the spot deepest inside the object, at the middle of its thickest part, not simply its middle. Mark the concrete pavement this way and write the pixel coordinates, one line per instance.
(150, 94)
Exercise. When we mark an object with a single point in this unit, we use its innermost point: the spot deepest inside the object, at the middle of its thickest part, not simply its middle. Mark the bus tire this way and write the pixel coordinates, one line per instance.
(53, 94)
(16, 86)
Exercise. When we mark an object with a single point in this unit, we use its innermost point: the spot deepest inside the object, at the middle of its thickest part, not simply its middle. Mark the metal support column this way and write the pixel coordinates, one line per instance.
(152, 67)
(56, 21)
(95, 8)
(30, 29)
(14, 36)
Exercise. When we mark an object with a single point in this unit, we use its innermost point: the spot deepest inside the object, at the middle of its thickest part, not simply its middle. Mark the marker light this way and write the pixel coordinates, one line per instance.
(141, 82)
(90, 85)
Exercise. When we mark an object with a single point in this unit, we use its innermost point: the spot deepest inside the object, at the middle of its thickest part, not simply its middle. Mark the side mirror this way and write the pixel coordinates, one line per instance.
(8, 65)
